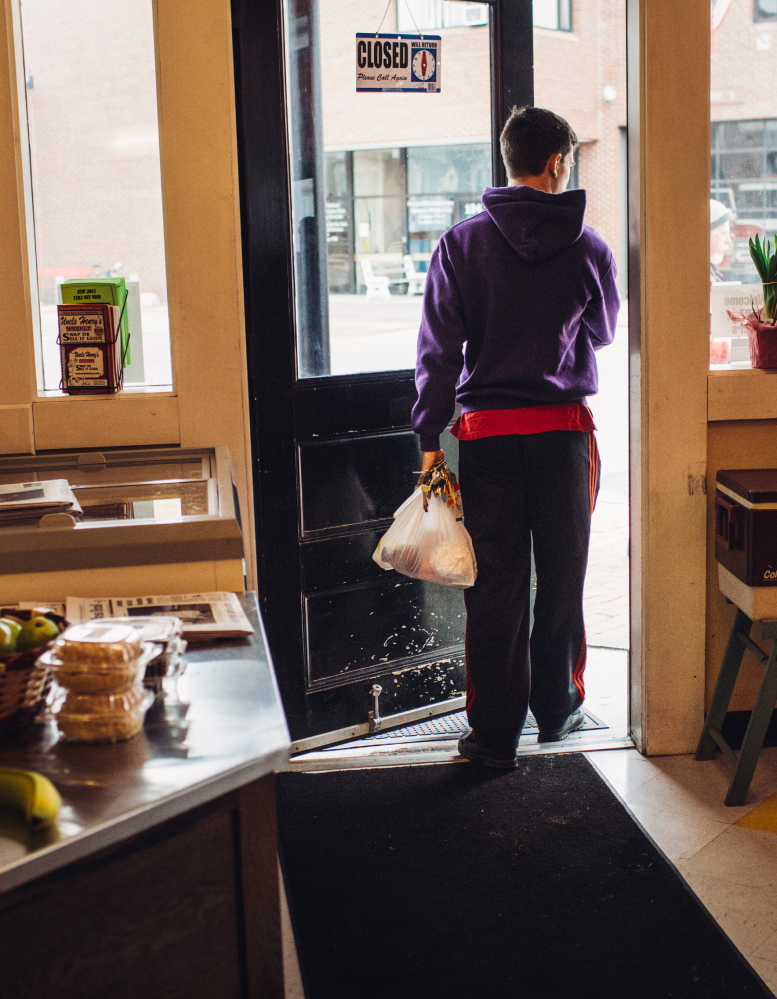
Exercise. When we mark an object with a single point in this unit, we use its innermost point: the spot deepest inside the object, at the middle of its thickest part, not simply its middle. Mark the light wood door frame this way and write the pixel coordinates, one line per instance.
(669, 141)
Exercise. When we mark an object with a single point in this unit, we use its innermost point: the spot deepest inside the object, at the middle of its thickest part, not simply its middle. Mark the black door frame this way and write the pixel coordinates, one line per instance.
(265, 205)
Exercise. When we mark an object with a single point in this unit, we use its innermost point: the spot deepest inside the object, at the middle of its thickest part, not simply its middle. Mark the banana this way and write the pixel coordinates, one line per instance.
(30, 793)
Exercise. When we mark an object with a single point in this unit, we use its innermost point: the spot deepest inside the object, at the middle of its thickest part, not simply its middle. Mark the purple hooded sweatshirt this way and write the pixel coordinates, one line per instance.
(519, 297)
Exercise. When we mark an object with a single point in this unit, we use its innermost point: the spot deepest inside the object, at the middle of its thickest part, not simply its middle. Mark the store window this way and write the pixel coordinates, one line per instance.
(444, 187)
(765, 10)
(91, 112)
(743, 171)
(744, 181)
(553, 14)
(431, 15)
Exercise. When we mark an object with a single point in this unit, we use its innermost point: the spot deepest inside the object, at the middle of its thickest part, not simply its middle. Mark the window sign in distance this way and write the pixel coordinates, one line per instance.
(397, 63)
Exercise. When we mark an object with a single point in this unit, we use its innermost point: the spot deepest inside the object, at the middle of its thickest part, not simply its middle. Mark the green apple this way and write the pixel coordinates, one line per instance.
(13, 624)
(37, 631)
(7, 640)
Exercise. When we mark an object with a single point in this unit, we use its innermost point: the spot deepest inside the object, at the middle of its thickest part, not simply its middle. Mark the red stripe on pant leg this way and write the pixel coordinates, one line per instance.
(590, 463)
(577, 675)
(593, 470)
(593, 481)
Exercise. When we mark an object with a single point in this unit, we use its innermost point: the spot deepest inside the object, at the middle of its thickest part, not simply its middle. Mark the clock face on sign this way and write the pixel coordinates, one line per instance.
(424, 64)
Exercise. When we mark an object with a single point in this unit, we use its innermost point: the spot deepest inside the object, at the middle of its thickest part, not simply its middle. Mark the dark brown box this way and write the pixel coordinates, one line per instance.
(746, 524)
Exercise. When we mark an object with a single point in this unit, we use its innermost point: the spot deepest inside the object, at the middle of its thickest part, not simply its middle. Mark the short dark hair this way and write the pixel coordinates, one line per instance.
(530, 137)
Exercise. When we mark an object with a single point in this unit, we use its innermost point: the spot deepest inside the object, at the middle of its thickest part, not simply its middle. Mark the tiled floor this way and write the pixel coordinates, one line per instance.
(679, 803)
(732, 869)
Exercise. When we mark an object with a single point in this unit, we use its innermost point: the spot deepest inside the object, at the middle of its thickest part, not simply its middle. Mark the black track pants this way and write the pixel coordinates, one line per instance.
(522, 491)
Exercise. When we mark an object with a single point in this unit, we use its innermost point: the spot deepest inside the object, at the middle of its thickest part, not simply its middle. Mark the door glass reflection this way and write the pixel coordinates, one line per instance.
(377, 178)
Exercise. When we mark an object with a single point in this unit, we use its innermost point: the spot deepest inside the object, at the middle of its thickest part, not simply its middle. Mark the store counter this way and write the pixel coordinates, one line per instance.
(161, 876)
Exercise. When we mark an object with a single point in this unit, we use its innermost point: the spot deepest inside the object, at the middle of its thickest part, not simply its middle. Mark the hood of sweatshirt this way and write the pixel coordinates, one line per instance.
(536, 224)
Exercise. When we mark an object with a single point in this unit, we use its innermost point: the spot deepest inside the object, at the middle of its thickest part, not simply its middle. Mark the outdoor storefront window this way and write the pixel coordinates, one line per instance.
(553, 14)
(444, 187)
(91, 114)
(429, 15)
(743, 169)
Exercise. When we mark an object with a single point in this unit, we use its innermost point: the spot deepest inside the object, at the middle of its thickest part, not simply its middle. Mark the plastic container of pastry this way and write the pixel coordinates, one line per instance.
(99, 643)
(166, 632)
(104, 717)
(90, 678)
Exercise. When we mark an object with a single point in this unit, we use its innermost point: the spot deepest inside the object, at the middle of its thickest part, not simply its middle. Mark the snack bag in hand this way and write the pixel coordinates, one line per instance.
(428, 539)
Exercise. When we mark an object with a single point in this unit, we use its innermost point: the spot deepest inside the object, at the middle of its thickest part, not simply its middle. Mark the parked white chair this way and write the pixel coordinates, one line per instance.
(415, 279)
(377, 285)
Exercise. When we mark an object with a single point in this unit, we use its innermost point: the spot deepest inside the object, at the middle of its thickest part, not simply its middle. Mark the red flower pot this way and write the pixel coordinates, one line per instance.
(762, 338)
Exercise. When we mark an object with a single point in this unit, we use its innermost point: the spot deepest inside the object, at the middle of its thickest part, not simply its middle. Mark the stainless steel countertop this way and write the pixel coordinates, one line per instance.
(228, 730)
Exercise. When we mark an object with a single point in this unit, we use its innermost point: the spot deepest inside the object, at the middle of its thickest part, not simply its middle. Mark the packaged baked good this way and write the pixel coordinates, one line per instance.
(94, 679)
(104, 717)
(99, 643)
(166, 632)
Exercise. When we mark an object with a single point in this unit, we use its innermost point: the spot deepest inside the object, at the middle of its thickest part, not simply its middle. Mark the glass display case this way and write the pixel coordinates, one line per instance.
(140, 508)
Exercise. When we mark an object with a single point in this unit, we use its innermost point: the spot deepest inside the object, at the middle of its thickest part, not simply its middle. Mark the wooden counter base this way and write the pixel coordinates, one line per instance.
(189, 909)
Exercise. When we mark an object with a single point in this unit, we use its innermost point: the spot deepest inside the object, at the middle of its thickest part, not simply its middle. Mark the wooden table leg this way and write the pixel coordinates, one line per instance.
(261, 896)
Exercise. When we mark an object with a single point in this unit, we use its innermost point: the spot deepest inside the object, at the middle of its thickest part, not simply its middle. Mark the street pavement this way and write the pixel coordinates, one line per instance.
(607, 582)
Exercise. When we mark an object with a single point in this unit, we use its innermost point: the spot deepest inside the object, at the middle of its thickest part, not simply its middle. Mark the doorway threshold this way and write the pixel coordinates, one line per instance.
(441, 749)
(431, 735)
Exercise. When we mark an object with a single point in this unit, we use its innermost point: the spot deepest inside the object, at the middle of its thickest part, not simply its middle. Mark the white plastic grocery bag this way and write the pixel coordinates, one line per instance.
(428, 540)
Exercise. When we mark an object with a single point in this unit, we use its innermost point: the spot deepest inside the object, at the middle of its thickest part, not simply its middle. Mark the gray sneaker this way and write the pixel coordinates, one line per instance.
(575, 721)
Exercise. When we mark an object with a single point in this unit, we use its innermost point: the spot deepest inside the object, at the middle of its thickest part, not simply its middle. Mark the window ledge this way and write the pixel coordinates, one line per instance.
(129, 391)
(746, 394)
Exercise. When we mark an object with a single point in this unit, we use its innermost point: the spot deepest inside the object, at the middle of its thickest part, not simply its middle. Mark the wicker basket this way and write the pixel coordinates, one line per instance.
(24, 683)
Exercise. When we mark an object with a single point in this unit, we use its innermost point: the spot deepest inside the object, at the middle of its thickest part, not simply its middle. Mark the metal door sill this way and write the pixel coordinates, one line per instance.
(438, 751)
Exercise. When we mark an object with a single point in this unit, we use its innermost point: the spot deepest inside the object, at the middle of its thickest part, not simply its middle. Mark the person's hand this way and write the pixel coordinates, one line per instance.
(430, 458)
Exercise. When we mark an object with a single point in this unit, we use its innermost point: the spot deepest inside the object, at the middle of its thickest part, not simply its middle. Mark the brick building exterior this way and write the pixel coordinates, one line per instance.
(581, 74)
(91, 105)
(94, 140)
(744, 124)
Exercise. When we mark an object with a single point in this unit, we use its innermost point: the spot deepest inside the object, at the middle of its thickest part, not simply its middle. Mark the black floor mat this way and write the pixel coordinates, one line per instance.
(454, 881)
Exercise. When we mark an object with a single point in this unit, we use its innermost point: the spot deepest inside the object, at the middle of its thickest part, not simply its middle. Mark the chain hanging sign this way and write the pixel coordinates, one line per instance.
(398, 63)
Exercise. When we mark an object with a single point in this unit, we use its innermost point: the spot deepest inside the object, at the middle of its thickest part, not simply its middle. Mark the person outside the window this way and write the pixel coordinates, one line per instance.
(517, 300)
(720, 238)
(720, 242)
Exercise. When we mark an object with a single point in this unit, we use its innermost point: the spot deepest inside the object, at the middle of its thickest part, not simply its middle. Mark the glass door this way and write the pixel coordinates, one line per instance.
(345, 195)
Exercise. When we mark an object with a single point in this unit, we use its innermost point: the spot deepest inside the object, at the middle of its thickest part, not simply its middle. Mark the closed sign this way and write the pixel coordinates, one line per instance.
(398, 63)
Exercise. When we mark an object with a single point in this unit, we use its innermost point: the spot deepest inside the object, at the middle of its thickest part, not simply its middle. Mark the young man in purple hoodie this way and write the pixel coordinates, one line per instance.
(517, 300)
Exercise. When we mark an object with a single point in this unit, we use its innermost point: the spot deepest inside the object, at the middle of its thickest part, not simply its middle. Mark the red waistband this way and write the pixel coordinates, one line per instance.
(531, 420)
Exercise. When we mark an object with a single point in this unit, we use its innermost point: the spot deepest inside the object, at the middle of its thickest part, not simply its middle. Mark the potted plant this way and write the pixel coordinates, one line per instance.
(760, 323)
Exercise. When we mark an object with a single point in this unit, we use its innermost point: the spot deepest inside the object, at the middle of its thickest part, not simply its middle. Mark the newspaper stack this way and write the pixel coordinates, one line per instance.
(21, 502)
(204, 615)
